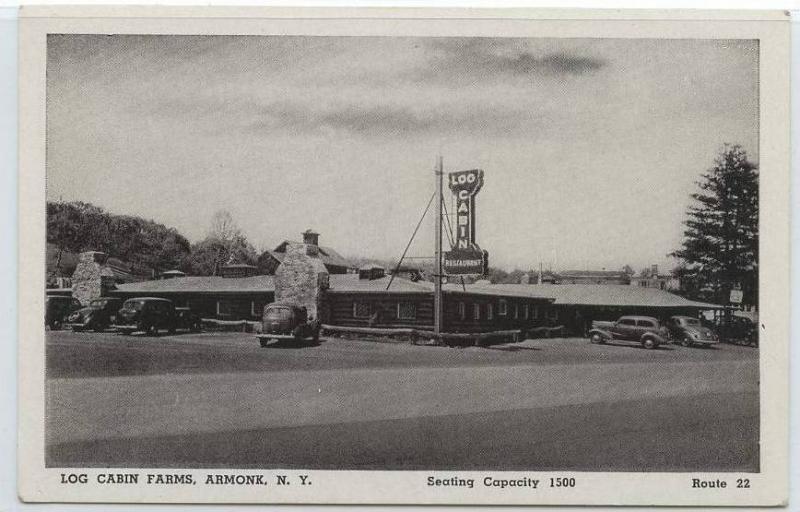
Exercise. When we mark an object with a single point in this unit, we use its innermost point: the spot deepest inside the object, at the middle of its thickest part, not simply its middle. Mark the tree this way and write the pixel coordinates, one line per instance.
(720, 246)
(146, 245)
(224, 243)
(496, 275)
(224, 228)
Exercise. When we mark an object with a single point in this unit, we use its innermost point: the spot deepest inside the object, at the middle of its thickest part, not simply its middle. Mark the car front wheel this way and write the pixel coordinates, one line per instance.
(596, 338)
(686, 342)
(649, 343)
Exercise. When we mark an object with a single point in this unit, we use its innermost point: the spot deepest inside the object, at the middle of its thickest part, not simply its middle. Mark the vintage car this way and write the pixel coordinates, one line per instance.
(146, 314)
(185, 318)
(689, 331)
(739, 330)
(97, 316)
(282, 321)
(644, 330)
(57, 308)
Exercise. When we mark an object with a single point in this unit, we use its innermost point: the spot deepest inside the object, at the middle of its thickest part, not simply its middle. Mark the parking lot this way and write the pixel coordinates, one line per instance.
(220, 400)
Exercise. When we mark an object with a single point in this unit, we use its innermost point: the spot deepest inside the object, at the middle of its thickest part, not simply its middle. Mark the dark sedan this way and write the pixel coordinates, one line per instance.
(97, 316)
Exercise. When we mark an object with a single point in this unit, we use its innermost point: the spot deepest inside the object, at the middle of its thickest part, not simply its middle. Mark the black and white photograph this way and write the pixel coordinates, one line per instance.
(526, 258)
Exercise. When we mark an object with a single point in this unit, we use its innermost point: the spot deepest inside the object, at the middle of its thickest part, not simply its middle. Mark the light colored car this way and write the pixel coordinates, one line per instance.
(690, 331)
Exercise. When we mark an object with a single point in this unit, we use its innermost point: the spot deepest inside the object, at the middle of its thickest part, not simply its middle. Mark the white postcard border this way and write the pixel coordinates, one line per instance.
(769, 487)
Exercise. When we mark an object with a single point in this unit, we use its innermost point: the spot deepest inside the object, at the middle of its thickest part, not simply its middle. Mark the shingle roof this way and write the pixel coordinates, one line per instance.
(328, 255)
(352, 283)
(202, 284)
(606, 295)
(334, 257)
(567, 294)
(498, 290)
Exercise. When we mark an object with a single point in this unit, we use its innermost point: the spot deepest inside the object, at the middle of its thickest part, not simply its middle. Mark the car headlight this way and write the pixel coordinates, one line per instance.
(694, 335)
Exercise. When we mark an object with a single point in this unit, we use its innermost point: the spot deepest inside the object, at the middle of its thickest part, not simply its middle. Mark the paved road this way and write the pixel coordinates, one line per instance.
(216, 400)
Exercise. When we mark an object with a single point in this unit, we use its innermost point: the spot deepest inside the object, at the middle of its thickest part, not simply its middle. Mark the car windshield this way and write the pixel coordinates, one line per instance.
(279, 314)
(691, 321)
(133, 305)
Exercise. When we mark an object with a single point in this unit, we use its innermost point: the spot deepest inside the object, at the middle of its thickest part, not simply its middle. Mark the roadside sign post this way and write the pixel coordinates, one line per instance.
(437, 283)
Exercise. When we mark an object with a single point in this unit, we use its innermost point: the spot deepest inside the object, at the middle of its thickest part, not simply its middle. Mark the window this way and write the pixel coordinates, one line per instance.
(527, 311)
(253, 310)
(406, 311)
(645, 323)
(476, 311)
(535, 312)
(489, 311)
(502, 307)
(224, 308)
(462, 311)
(627, 321)
(552, 314)
(516, 311)
(361, 310)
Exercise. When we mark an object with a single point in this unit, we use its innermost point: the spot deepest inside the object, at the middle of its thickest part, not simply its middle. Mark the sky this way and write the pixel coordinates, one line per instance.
(590, 147)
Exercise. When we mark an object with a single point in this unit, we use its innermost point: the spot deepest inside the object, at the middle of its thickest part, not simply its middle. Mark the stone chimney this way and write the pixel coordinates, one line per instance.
(311, 237)
(91, 278)
(302, 278)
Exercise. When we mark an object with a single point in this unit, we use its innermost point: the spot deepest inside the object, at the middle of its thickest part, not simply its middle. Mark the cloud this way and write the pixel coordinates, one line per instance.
(382, 119)
(487, 57)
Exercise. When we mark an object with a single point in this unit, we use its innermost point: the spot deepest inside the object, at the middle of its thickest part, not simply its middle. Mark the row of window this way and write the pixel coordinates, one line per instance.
(402, 311)
(226, 308)
(477, 311)
(517, 311)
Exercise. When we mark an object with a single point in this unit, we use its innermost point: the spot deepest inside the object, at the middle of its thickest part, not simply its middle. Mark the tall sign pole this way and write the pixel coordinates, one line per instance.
(437, 283)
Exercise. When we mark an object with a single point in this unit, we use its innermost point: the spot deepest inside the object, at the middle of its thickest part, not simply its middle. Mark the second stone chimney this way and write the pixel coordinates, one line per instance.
(311, 237)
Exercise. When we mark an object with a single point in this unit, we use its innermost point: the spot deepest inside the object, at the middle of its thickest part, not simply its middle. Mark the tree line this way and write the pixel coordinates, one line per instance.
(146, 245)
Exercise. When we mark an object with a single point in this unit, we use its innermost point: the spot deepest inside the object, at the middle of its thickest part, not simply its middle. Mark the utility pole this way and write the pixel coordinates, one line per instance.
(437, 284)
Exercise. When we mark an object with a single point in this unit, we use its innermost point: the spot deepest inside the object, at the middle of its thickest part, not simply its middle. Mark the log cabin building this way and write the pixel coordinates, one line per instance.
(370, 298)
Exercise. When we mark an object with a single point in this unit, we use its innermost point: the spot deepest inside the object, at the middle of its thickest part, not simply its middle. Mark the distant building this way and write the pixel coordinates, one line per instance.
(582, 277)
(238, 270)
(171, 274)
(371, 271)
(334, 262)
(410, 272)
(653, 279)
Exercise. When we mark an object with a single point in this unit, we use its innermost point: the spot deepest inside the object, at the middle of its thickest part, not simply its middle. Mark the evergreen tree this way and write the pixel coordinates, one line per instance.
(720, 246)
